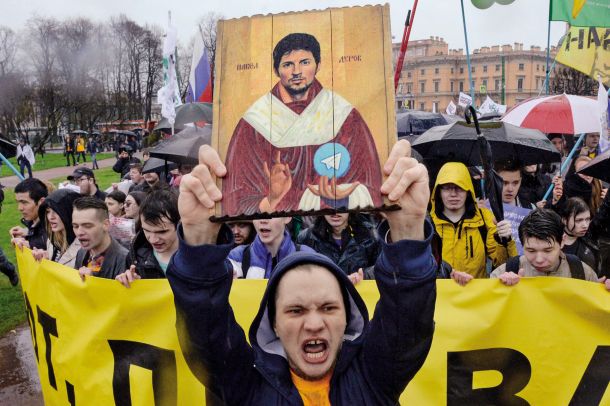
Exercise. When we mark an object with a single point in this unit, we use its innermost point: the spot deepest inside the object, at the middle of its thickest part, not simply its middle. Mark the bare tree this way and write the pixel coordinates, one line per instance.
(571, 81)
(207, 29)
(8, 49)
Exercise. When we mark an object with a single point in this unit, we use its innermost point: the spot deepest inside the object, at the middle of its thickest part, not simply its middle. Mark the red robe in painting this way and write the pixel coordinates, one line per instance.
(246, 183)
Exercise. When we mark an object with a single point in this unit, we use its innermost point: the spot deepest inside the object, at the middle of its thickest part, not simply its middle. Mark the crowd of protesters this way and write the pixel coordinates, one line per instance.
(140, 213)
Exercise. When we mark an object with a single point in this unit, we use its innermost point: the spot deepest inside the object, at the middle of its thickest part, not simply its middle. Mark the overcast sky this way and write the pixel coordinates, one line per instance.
(523, 21)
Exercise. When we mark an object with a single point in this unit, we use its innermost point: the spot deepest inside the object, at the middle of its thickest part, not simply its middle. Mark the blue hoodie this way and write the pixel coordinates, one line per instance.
(375, 363)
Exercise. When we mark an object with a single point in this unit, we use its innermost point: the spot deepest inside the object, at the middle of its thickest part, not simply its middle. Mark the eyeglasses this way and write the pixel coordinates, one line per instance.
(79, 180)
(451, 188)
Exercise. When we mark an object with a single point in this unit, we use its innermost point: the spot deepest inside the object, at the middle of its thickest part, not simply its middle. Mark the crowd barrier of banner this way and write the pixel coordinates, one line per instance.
(545, 341)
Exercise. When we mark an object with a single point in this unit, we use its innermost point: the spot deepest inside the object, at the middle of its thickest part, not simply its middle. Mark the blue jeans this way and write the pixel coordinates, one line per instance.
(24, 163)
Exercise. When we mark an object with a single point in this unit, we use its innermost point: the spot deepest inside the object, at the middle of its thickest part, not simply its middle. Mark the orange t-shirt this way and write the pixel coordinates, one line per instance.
(313, 393)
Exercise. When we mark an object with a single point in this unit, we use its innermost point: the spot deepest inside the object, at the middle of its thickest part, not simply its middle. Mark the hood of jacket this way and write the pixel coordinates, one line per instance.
(61, 202)
(269, 352)
(456, 173)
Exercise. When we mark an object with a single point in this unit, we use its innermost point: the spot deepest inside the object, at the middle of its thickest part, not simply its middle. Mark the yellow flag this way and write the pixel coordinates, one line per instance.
(587, 49)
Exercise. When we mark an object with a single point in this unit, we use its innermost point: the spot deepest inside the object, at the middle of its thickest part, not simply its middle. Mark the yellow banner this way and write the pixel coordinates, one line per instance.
(545, 341)
(587, 49)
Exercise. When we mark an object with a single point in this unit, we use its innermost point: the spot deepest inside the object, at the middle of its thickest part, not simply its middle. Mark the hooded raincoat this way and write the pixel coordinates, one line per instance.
(463, 245)
(375, 363)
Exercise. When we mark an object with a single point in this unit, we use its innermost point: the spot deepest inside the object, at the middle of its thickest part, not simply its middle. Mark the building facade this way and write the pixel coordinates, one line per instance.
(433, 75)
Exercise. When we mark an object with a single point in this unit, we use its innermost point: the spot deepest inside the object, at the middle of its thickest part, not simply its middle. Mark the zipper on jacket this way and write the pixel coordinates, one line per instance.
(471, 253)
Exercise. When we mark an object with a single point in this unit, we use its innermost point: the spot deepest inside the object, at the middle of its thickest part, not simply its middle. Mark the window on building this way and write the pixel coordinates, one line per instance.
(484, 83)
(497, 84)
(436, 70)
(409, 87)
(409, 75)
(521, 66)
(422, 106)
(451, 70)
(422, 72)
(519, 84)
(452, 90)
(435, 107)
(472, 69)
(537, 67)
(461, 86)
(422, 87)
(436, 86)
(461, 70)
(484, 68)
(497, 68)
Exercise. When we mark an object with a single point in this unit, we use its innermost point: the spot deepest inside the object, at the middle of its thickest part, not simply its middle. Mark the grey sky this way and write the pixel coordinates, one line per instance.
(523, 21)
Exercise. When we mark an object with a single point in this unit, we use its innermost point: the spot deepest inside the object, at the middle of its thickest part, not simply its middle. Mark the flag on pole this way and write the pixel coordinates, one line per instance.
(451, 108)
(464, 100)
(581, 13)
(169, 95)
(586, 50)
(491, 107)
(603, 103)
(200, 81)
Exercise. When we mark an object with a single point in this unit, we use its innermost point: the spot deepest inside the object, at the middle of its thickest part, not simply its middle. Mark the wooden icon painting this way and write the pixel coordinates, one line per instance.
(303, 111)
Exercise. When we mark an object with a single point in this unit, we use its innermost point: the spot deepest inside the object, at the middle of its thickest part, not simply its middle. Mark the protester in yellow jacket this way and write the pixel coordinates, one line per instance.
(468, 232)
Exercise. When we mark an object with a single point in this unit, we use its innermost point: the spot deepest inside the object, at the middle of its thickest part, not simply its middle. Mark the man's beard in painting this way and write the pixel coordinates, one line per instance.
(297, 92)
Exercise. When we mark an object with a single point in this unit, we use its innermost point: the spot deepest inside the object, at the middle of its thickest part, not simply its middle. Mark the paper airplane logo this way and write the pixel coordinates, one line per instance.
(332, 161)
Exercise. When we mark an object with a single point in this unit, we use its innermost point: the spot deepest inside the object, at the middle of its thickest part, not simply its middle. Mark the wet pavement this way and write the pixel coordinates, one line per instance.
(19, 382)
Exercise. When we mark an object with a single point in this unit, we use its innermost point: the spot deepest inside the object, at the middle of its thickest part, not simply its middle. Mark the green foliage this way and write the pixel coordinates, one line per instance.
(49, 161)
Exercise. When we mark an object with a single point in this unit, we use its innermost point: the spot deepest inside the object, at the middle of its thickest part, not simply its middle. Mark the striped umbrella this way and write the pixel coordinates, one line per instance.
(564, 113)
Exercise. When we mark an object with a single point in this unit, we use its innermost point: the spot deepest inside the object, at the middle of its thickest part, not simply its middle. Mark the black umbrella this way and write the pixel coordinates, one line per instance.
(184, 146)
(79, 132)
(157, 165)
(193, 113)
(459, 142)
(7, 148)
(493, 181)
(599, 167)
(96, 133)
(128, 133)
(417, 122)
(164, 124)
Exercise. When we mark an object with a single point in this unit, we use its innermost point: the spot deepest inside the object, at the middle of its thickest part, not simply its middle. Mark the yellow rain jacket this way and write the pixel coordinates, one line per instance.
(463, 245)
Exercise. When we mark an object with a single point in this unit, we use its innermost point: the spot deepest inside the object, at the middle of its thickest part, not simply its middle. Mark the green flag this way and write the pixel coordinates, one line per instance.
(581, 13)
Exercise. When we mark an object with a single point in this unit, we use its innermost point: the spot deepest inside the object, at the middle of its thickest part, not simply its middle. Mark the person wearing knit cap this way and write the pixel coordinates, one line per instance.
(311, 342)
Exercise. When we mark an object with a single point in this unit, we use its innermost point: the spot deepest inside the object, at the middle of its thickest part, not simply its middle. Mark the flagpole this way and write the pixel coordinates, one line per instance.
(548, 48)
(471, 84)
(565, 164)
(405, 42)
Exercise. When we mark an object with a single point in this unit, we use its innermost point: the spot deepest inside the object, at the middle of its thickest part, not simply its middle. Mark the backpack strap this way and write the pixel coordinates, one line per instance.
(483, 232)
(576, 269)
(245, 261)
(512, 265)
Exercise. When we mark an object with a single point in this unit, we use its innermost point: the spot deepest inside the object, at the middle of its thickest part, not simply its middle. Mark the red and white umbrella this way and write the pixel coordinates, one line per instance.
(564, 113)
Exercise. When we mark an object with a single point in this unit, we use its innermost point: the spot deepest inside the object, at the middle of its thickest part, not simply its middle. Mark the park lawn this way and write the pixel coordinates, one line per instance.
(52, 160)
(12, 310)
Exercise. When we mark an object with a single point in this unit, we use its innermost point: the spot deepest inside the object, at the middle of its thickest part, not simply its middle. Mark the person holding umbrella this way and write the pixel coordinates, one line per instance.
(469, 235)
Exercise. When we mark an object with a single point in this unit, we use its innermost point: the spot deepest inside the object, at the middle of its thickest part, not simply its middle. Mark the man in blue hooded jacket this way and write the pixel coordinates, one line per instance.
(311, 342)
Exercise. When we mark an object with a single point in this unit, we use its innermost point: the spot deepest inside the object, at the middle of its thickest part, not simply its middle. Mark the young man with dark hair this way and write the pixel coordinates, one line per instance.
(541, 233)
(312, 341)
(137, 180)
(124, 160)
(155, 244)
(84, 178)
(30, 194)
(271, 167)
(100, 255)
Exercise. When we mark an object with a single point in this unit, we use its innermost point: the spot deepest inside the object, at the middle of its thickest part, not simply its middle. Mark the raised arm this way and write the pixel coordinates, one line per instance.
(401, 330)
(214, 345)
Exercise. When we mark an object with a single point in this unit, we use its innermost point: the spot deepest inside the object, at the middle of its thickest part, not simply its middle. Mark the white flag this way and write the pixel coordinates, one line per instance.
(491, 107)
(451, 108)
(169, 95)
(602, 100)
(464, 100)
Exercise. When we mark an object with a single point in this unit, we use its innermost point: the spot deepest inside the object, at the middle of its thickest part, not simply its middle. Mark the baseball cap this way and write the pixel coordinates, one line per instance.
(80, 172)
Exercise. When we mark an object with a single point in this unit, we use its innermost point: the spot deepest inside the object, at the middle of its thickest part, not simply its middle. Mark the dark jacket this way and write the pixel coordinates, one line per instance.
(114, 260)
(375, 363)
(122, 165)
(534, 187)
(141, 254)
(37, 234)
(359, 246)
(61, 202)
